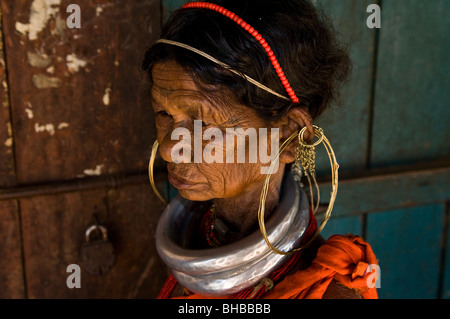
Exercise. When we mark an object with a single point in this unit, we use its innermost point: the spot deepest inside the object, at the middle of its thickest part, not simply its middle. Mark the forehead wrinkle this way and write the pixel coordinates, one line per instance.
(193, 101)
(179, 90)
(171, 92)
(169, 77)
(198, 105)
(191, 104)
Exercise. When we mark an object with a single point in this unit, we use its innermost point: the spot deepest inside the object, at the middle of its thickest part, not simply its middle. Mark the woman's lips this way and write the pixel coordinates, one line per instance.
(179, 182)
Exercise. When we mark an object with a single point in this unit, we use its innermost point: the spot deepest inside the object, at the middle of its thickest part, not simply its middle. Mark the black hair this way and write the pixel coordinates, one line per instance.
(298, 33)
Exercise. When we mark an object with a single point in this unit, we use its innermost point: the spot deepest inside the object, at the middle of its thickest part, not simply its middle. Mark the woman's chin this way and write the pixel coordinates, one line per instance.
(194, 195)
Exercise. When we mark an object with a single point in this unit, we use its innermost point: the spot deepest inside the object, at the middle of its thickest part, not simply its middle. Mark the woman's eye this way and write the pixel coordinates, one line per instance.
(164, 113)
(204, 124)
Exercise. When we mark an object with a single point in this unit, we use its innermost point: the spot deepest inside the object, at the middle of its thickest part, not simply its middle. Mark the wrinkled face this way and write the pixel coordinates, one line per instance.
(192, 132)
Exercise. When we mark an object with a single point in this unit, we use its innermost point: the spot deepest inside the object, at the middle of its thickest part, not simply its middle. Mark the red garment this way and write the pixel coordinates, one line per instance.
(344, 258)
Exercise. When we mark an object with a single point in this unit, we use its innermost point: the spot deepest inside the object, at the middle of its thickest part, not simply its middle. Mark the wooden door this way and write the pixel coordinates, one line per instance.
(76, 130)
(392, 137)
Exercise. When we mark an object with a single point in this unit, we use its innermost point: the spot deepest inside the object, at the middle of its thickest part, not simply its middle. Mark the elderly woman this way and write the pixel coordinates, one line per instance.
(259, 73)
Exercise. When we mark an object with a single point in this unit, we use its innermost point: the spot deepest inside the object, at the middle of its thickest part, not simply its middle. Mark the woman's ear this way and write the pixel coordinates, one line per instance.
(293, 121)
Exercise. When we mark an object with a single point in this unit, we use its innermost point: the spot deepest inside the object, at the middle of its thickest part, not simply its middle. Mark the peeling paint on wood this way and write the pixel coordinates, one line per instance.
(30, 113)
(40, 13)
(62, 129)
(70, 76)
(50, 69)
(98, 11)
(7, 164)
(63, 125)
(49, 128)
(106, 100)
(42, 81)
(9, 142)
(94, 172)
(38, 60)
(74, 63)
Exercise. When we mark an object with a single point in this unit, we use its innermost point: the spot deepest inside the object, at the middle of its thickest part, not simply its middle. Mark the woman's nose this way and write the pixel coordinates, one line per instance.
(176, 146)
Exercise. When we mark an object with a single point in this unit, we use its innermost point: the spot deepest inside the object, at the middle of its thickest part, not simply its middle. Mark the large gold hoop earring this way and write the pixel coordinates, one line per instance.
(150, 171)
(306, 158)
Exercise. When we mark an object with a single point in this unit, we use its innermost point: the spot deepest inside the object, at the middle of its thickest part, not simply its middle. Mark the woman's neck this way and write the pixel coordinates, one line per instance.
(237, 217)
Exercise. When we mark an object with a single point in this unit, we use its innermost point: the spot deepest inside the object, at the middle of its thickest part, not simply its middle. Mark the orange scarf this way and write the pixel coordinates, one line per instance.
(344, 258)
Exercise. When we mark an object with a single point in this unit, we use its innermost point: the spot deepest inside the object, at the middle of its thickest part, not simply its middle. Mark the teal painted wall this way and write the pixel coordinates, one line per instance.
(391, 137)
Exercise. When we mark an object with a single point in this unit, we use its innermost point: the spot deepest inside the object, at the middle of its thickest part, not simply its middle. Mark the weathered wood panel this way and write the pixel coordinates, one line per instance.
(410, 263)
(11, 270)
(346, 123)
(411, 112)
(7, 174)
(390, 191)
(55, 227)
(445, 291)
(342, 226)
(78, 102)
(168, 6)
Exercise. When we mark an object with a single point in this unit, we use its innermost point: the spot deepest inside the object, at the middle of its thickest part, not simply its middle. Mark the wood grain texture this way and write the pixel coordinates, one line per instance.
(390, 191)
(407, 243)
(346, 122)
(11, 271)
(445, 290)
(342, 226)
(78, 99)
(7, 174)
(411, 112)
(55, 227)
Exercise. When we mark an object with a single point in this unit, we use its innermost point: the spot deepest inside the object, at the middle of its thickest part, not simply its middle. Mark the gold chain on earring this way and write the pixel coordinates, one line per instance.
(150, 171)
(306, 156)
